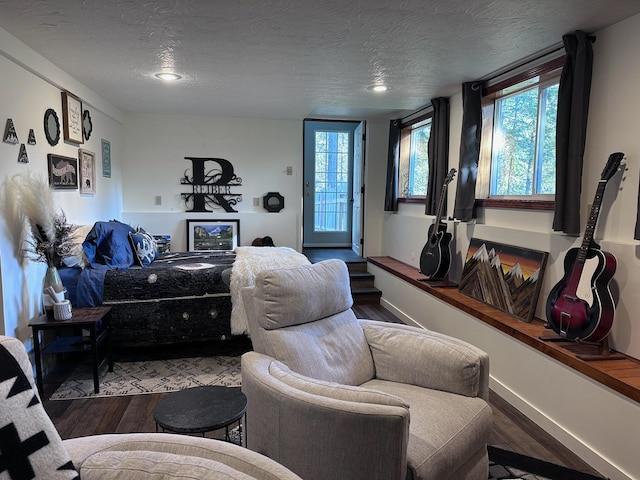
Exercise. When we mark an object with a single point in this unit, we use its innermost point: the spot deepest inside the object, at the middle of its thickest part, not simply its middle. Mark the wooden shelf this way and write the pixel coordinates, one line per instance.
(623, 376)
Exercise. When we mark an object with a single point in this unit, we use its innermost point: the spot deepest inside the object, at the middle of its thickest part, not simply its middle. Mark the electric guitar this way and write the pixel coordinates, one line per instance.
(580, 306)
(435, 258)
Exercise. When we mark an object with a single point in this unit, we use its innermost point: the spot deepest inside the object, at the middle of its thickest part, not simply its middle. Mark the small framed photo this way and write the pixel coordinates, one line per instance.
(213, 235)
(106, 158)
(87, 171)
(63, 172)
(72, 118)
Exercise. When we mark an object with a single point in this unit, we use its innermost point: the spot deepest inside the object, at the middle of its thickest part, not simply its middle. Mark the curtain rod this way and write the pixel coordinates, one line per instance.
(503, 71)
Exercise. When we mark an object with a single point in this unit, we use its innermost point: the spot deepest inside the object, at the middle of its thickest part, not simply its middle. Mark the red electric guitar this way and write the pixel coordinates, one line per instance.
(580, 306)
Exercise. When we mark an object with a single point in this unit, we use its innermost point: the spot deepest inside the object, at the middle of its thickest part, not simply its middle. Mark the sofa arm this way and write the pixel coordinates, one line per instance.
(194, 455)
(416, 356)
(302, 430)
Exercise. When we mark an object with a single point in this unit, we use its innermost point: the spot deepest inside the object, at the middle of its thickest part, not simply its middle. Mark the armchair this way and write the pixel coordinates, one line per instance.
(331, 396)
(30, 446)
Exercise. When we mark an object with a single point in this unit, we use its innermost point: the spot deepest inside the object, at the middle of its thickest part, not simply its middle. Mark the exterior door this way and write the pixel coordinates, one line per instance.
(328, 183)
(358, 189)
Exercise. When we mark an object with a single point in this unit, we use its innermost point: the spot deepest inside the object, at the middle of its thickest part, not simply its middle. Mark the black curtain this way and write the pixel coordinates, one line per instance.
(469, 150)
(438, 153)
(393, 167)
(571, 130)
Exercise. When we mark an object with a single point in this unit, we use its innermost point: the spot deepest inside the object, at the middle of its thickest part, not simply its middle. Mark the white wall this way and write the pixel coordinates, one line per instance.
(602, 426)
(29, 87)
(260, 151)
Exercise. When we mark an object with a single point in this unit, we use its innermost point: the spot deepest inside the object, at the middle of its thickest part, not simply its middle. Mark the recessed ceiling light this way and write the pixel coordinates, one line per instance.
(378, 88)
(168, 76)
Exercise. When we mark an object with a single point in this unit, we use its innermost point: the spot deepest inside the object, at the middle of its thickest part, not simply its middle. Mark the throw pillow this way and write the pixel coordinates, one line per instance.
(144, 247)
(30, 446)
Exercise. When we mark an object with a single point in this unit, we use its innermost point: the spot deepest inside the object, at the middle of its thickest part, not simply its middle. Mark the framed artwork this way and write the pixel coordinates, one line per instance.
(63, 171)
(72, 118)
(106, 158)
(506, 277)
(87, 171)
(213, 235)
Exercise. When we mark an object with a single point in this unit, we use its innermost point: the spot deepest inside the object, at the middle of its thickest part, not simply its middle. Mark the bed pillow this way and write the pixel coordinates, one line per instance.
(108, 244)
(31, 446)
(73, 253)
(144, 247)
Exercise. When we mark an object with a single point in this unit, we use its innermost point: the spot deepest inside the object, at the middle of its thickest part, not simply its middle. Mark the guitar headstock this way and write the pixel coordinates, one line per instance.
(450, 175)
(612, 165)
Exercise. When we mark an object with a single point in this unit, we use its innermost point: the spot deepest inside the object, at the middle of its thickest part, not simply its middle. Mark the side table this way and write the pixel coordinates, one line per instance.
(95, 319)
(201, 409)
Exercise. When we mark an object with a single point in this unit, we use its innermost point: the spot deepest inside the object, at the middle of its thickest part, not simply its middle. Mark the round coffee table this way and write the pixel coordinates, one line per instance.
(201, 410)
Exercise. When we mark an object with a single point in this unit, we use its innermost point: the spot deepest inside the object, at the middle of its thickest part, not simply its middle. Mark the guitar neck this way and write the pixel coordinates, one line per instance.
(440, 205)
(591, 223)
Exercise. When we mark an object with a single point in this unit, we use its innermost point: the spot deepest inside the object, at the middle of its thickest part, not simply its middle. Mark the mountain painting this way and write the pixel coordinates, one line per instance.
(506, 277)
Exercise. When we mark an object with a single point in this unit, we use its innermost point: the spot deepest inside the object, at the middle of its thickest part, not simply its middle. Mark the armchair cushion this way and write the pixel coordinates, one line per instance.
(331, 389)
(399, 356)
(30, 446)
(147, 465)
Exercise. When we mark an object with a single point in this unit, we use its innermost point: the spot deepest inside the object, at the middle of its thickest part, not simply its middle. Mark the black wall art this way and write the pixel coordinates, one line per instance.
(211, 182)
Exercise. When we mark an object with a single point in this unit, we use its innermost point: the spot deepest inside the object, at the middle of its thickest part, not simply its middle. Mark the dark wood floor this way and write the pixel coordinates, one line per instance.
(75, 418)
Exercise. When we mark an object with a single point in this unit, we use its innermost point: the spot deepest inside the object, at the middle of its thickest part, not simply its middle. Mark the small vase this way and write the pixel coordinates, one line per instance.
(51, 279)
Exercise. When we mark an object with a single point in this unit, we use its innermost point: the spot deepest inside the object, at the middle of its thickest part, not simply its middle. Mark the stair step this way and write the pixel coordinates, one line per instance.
(361, 279)
(366, 295)
(355, 267)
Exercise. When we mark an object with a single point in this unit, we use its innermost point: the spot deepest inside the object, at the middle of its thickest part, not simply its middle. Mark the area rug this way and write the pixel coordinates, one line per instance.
(151, 376)
(504, 465)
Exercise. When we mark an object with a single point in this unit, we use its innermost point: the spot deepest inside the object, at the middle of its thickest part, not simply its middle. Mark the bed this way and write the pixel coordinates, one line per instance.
(164, 299)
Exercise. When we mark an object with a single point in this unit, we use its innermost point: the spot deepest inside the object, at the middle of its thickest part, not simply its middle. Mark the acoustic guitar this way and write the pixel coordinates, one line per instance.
(580, 306)
(435, 258)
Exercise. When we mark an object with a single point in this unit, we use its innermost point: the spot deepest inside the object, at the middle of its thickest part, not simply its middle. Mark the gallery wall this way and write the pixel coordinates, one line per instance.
(29, 86)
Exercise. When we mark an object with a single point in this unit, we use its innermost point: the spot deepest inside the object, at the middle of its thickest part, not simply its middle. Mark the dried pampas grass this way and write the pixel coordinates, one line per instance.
(14, 220)
(32, 203)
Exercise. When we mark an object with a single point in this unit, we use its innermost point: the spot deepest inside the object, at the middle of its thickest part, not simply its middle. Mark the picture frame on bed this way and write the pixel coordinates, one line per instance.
(212, 235)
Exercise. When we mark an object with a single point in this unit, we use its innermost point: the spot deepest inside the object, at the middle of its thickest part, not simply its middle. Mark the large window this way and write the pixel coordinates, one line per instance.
(414, 159)
(518, 154)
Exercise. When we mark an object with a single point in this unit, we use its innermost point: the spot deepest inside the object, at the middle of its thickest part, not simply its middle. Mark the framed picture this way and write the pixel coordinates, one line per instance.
(87, 171)
(63, 171)
(72, 118)
(506, 277)
(212, 235)
(106, 158)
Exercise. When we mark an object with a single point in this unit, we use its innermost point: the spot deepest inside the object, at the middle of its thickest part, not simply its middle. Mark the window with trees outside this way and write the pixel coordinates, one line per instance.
(414, 159)
(518, 152)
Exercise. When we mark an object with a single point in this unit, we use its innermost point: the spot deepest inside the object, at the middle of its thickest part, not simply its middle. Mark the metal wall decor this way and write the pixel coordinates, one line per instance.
(51, 127)
(87, 124)
(10, 135)
(273, 202)
(32, 137)
(210, 188)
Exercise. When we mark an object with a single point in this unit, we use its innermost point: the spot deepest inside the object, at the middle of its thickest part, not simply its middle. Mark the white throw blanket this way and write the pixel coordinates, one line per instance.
(249, 261)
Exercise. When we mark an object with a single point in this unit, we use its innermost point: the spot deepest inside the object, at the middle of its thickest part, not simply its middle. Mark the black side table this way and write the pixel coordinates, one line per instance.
(201, 410)
(96, 320)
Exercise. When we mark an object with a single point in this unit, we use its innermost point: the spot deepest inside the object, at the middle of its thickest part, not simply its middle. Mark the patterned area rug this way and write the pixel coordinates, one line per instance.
(152, 376)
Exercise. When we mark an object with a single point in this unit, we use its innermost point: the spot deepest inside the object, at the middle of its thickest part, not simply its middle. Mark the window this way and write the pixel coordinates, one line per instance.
(518, 152)
(414, 159)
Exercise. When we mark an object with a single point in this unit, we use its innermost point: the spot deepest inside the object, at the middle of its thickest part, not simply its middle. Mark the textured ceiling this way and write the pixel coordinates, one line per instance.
(293, 59)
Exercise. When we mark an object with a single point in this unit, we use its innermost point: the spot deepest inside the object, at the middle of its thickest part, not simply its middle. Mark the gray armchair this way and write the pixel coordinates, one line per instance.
(30, 446)
(331, 396)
